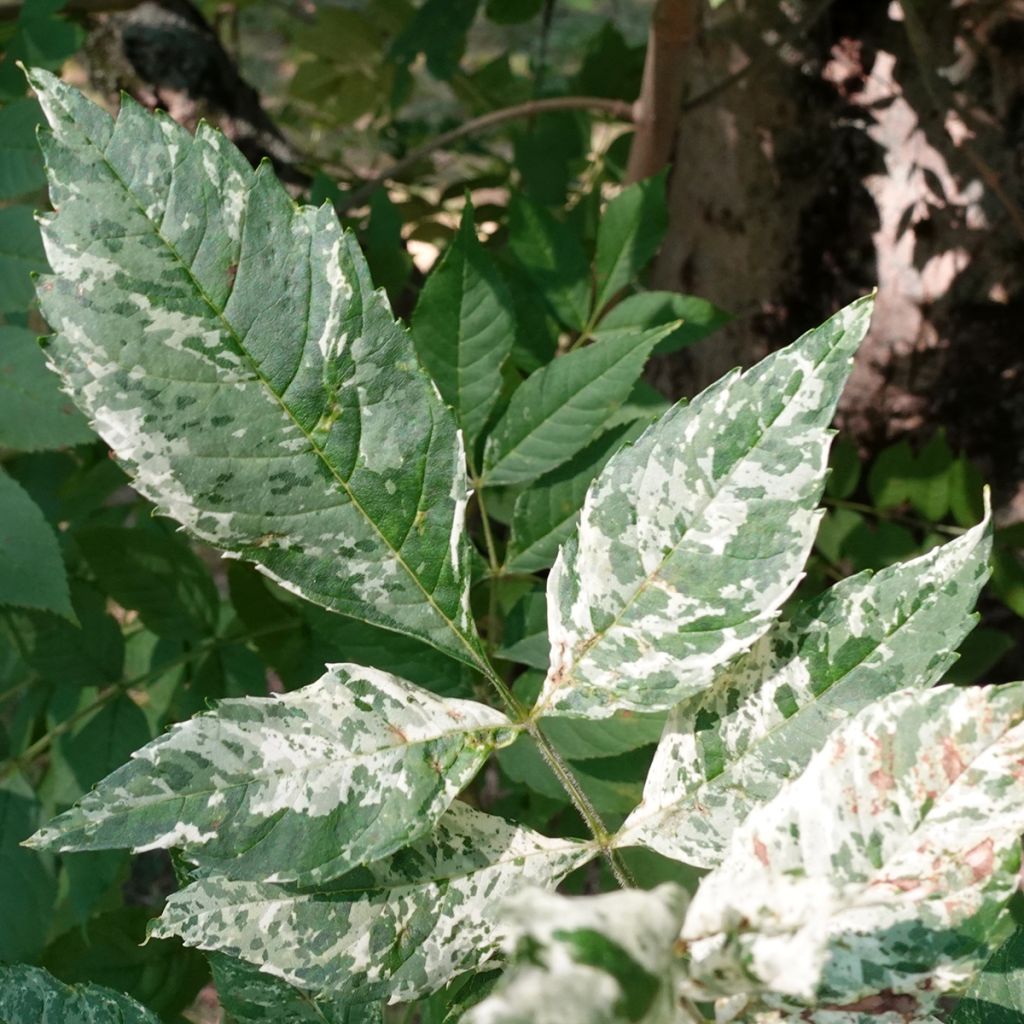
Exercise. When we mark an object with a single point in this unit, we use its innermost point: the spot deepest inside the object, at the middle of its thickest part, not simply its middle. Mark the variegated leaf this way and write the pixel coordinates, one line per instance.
(841, 1017)
(884, 867)
(730, 748)
(691, 539)
(607, 959)
(229, 346)
(397, 929)
(301, 787)
(30, 995)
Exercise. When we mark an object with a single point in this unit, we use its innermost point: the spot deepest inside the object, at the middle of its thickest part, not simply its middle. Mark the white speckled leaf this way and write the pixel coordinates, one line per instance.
(397, 929)
(884, 867)
(730, 748)
(229, 346)
(691, 539)
(30, 995)
(301, 787)
(840, 1017)
(606, 959)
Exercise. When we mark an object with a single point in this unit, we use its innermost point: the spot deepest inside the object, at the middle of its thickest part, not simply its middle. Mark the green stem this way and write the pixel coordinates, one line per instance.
(108, 693)
(895, 516)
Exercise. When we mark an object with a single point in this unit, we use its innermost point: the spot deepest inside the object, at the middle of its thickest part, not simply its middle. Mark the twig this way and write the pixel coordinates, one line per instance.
(619, 109)
(673, 29)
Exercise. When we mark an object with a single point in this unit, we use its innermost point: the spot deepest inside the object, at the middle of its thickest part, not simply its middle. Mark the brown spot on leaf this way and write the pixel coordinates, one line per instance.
(952, 762)
(980, 859)
(761, 851)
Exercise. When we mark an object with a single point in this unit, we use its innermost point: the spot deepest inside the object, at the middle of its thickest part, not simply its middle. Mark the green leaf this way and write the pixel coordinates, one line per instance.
(844, 472)
(884, 867)
(653, 309)
(253, 383)
(21, 163)
(28, 995)
(31, 568)
(996, 995)
(437, 30)
(929, 485)
(301, 787)
(553, 257)
(252, 997)
(608, 959)
(155, 573)
(34, 415)
(562, 406)
(512, 12)
(525, 631)
(980, 651)
(966, 489)
(730, 749)
(631, 229)
(28, 889)
(692, 538)
(463, 328)
(546, 513)
(397, 930)
(890, 475)
(21, 255)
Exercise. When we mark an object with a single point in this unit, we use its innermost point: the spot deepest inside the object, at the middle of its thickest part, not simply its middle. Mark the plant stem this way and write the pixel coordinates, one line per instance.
(108, 693)
(614, 108)
(492, 550)
(894, 516)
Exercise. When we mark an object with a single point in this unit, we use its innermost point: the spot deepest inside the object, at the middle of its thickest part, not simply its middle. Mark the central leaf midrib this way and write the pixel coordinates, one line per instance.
(244, 353)
(699, 513)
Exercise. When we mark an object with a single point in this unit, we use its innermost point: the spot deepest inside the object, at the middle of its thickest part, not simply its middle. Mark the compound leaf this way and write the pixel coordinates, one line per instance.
(397, 929)
(885, 866)
(629, 234)
(229, 346)
(31, 569)
(559, 408)
(691, 539)
(463, 327)
(300, 787)
(729, 749)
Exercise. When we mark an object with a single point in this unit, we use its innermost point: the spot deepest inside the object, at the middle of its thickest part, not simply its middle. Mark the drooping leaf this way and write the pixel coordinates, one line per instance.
(996, 995)
(630, 232)
(651, 309)
(545, 514)
(230, 348)
(301, 787)
(155, 573)
(554, 259)
(729, 749)
(21, 166)
(606, 959)
(29, 995)
(20, 256)
(34, 415)
(562, 406)
(396, 930)
(252, 997)
(463, 327)
(691, 539)
(31, 569)
(884, 867)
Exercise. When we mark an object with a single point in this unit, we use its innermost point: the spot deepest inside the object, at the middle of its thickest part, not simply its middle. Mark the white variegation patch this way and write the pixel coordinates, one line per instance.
(399, 929)
(301, 787)
(609, 959)
(729, 749)
(882, 868)
(691, 539)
